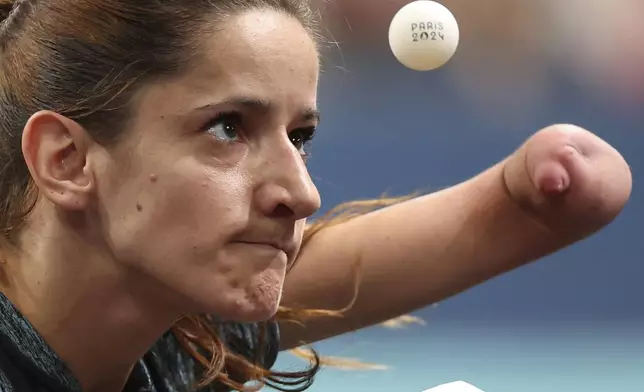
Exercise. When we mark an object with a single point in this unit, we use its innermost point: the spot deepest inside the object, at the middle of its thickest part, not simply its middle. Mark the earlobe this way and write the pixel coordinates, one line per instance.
(55, 150)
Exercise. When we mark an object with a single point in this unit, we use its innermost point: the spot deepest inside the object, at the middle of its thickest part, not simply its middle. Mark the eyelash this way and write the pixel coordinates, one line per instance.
(226, 118)
(304, 137)
(300, 137)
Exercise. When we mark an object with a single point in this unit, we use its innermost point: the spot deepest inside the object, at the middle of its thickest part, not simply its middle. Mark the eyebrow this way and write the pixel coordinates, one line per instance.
(260, 105)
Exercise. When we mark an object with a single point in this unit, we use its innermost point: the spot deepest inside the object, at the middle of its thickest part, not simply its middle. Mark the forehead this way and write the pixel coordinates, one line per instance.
(265, 33)
(266, 52)
(264, 55)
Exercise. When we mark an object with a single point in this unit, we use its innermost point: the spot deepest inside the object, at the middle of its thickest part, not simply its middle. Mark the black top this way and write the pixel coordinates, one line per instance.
(28, 364)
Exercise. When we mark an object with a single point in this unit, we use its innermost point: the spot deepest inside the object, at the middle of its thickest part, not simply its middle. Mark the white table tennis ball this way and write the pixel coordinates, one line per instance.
(423, 35)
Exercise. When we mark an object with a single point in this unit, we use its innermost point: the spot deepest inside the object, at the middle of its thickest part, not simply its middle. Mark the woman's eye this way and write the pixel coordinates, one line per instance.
(301, 138)
(225, 127)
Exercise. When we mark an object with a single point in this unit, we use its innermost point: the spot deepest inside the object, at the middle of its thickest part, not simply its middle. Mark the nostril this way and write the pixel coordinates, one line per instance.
(283, 211)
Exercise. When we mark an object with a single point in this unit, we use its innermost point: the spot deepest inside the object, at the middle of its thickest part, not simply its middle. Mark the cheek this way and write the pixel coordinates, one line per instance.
(182, 212)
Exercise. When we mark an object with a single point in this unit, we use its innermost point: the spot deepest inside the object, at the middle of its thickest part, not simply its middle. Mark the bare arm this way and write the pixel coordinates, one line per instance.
(424, 250)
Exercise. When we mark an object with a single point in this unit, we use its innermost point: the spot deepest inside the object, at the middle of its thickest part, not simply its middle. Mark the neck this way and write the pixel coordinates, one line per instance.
(86, 309)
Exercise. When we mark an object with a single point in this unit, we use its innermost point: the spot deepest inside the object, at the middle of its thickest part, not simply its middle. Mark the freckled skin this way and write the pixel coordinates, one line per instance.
(197, 196)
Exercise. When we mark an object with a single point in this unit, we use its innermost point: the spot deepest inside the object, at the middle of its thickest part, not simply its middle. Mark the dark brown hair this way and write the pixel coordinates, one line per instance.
(85, 59)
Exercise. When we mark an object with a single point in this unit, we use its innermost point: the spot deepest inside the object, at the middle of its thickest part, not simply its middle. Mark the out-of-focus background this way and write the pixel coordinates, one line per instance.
(571, 322)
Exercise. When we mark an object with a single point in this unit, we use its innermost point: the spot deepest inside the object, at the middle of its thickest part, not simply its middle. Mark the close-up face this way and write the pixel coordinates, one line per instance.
(209, 193)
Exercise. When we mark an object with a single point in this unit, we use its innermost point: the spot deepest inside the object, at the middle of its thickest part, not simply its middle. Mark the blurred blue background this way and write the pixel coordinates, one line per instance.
(571, 322)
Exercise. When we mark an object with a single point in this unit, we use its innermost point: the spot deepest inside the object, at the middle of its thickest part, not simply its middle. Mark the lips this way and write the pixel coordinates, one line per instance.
(268, 245)
(270, 238)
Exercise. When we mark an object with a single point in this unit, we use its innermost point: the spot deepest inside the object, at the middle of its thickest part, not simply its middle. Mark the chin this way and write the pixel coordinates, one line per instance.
(257, 301)
(254, 313)
(245, 309)
(261, 300)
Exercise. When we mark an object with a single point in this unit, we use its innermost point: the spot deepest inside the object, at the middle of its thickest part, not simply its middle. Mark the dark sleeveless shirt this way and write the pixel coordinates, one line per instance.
(28, 364)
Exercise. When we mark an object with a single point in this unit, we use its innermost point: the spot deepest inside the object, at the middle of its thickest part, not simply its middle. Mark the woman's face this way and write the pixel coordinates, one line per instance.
(208, 196)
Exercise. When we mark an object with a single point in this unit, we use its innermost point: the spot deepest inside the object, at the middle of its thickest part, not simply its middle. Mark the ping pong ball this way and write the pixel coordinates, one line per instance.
(423, 35)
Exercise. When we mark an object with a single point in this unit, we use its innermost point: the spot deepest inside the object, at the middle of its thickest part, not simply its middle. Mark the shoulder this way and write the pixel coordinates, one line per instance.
(12, 378)
(5, 385)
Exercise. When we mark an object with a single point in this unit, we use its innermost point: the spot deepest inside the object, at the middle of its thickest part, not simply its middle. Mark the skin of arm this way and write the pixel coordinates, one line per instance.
(561, 186)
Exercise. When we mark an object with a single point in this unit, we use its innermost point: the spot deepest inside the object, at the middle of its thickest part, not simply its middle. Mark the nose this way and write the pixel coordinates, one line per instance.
(285, 188)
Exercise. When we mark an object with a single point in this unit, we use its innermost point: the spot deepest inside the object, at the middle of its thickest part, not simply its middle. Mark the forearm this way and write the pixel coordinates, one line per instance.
(415, 253)
(562, 185)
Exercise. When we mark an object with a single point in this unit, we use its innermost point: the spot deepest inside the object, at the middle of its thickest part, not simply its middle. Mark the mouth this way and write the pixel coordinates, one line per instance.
(270, 246)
